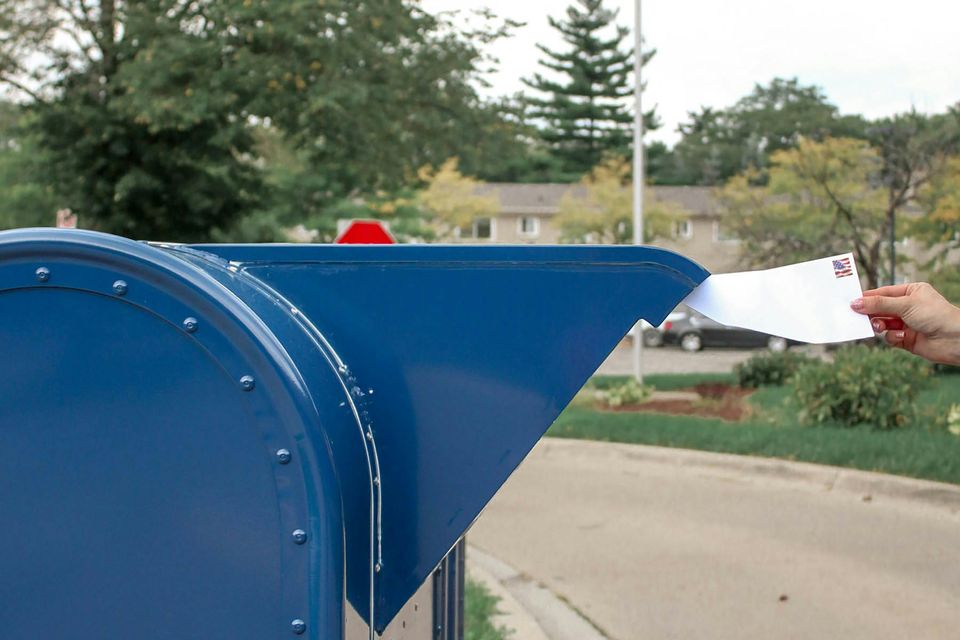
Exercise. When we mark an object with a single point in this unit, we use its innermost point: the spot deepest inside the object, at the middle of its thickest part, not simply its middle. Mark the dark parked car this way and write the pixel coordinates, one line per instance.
(694, 331)
(653, 336)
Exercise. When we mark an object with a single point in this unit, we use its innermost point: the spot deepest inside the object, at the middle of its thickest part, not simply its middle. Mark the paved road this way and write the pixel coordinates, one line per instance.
(673, 360)
(660, 551)
(676, 360)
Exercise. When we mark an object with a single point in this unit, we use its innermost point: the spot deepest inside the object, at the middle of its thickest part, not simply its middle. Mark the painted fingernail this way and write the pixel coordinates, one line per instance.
(898, 335)
(857, 305)
(877, 326)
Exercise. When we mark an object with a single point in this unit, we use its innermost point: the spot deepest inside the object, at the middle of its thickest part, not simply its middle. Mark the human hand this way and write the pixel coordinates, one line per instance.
(914, 317)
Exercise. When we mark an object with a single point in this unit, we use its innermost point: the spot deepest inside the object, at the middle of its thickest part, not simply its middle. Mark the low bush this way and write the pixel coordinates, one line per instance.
(769, 369)
(953, 420)
(862, 385)
(626, 393)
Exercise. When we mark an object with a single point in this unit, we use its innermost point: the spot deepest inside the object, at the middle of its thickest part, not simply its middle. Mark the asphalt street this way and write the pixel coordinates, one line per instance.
(652, 550)
(674, 360)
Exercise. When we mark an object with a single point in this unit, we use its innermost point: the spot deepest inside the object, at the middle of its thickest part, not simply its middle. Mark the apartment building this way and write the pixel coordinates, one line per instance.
(528, 215)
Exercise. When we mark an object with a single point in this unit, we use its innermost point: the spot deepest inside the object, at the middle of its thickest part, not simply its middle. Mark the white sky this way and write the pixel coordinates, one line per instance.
(875, 57)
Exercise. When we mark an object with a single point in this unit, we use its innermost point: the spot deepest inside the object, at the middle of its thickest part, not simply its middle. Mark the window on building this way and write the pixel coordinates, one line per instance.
(528, 226)
(721, 234)
(683, 229)
(483, 229)
(479, 229)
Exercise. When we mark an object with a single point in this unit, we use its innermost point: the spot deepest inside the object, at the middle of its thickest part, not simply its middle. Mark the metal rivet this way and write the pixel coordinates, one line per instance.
(190, 325)
(283, 456)
(43, 274)
(247, 383)
(298, 626)
(299, 536)
(377, 567)
(120, 287)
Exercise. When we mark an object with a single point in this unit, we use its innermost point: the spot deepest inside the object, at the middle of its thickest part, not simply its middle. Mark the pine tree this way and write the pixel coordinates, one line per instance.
(586, 114)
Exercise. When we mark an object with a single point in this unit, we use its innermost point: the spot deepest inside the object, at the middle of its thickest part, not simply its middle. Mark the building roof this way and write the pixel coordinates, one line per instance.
(697, 200)
(544, 198)
(540, 198)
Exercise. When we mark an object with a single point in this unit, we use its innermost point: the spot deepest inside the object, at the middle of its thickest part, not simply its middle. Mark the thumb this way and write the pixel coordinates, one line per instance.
(881, 306)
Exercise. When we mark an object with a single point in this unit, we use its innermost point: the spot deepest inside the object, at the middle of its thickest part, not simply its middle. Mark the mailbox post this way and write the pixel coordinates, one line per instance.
(258, 441)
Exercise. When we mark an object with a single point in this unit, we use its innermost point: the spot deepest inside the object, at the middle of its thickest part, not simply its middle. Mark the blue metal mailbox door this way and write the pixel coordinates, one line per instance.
(142, 490)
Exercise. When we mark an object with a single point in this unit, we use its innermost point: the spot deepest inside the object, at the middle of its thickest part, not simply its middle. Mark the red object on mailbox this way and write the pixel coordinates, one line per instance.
(365, 232)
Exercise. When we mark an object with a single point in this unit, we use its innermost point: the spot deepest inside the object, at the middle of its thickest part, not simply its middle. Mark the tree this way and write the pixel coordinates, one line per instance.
(709, 151)
(512, 151)
(821, 198)
(134, 112)
(374, 90)
(584, 111)
(719, 143)
(452, 199)
(297, 206)
(920, 167)
(149, 110)
(941, 199)
(604, 213)
(26, 199)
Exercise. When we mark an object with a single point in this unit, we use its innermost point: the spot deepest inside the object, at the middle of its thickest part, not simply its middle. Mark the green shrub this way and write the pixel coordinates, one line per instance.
(627, 393)
(773, 369)
(953, 419)
(862, 385)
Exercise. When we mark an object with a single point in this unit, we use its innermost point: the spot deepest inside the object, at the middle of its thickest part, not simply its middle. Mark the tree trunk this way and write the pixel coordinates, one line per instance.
(872, 268)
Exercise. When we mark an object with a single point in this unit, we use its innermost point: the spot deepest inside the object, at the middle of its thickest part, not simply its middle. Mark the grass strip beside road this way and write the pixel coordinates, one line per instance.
(666, 381)
(480, 608)
(775, 432)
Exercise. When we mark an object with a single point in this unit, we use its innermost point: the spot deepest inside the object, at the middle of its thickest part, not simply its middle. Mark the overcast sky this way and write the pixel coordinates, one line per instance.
(875, 57)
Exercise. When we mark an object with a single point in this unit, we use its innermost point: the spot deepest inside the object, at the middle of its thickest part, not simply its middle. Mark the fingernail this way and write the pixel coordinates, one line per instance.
(898, 335)
(857, 305)
(877, 326)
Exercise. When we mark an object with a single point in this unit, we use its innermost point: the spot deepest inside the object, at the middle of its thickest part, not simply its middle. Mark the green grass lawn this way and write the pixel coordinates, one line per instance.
(480, 606)
(774, 431)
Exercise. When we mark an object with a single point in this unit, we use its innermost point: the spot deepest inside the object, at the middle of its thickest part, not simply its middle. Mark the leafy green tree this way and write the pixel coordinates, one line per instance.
(451, 198)
(297, 206)
(920, 168)
(374, 90)
(604, 214)
(821, 198)
(26, 198)
(584, 111)
(719, 143)
(148, 111)
(512, 150)
(831, 195)
(134, 111)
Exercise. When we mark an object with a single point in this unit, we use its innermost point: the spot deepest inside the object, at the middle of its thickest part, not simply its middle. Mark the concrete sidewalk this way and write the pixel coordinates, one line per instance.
(527, 609)
(654, 543)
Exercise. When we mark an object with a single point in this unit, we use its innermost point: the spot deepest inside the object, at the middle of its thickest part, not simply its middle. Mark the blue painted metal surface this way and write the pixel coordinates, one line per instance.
(240, 437)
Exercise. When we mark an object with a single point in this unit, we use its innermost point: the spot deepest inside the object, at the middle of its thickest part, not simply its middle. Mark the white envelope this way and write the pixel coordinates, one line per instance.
(809, 301)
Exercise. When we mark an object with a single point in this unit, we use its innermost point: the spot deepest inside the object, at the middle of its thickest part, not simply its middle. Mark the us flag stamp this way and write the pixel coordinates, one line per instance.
(842, 268)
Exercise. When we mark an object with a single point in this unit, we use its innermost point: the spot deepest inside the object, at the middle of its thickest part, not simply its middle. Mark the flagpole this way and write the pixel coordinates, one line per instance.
(637, 174)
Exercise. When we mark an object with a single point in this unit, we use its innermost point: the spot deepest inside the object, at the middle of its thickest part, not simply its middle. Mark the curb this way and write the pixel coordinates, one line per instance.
(528, 609)
(865, 484)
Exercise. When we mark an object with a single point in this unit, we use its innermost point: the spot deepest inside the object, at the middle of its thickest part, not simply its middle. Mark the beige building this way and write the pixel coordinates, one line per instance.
(528, 216)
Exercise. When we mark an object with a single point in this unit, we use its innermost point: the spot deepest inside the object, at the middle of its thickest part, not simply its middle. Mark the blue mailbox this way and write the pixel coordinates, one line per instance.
(265, 441)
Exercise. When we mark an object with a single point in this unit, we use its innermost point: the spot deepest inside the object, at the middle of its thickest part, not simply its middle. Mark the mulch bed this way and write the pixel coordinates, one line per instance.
(717, 400)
